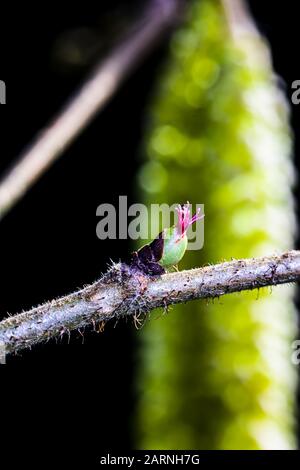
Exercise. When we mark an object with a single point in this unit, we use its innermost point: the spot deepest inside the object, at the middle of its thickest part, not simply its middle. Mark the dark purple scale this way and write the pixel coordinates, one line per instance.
(146, 258)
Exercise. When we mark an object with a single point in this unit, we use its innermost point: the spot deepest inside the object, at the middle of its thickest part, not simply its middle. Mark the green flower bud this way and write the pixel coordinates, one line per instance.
(168, 248)
(175, 238)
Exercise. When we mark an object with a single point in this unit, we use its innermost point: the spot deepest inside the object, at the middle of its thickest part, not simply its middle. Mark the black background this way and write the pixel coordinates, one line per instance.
(69, 401)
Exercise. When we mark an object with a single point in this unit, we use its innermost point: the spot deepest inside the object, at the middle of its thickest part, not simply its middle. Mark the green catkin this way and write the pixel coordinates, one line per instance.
(218, 375)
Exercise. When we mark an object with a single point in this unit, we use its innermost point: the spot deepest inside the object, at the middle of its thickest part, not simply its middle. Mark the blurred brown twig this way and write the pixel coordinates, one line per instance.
(91, 97)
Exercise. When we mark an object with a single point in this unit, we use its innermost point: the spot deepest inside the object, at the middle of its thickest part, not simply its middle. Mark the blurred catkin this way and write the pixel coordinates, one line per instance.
(219, 375)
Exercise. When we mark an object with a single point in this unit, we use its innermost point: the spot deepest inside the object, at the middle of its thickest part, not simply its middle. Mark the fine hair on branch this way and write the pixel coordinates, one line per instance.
(124, 291)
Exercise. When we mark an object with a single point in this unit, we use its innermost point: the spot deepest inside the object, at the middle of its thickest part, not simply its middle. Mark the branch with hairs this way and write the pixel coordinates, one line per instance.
(126, 291)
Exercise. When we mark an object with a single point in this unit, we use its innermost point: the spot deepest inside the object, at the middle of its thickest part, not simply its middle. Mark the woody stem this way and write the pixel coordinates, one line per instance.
(121, 293)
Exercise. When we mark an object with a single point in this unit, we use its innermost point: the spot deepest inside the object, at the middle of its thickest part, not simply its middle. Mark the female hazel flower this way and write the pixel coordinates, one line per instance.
(168, 248)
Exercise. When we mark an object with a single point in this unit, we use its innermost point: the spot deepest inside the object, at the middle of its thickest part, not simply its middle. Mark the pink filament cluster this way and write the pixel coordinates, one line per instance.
(185, 219)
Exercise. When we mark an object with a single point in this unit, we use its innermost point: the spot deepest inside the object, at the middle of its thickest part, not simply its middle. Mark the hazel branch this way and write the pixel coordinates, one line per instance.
(123, 291)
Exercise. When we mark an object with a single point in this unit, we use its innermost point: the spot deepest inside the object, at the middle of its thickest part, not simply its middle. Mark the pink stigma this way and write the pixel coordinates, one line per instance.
(185, 219)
